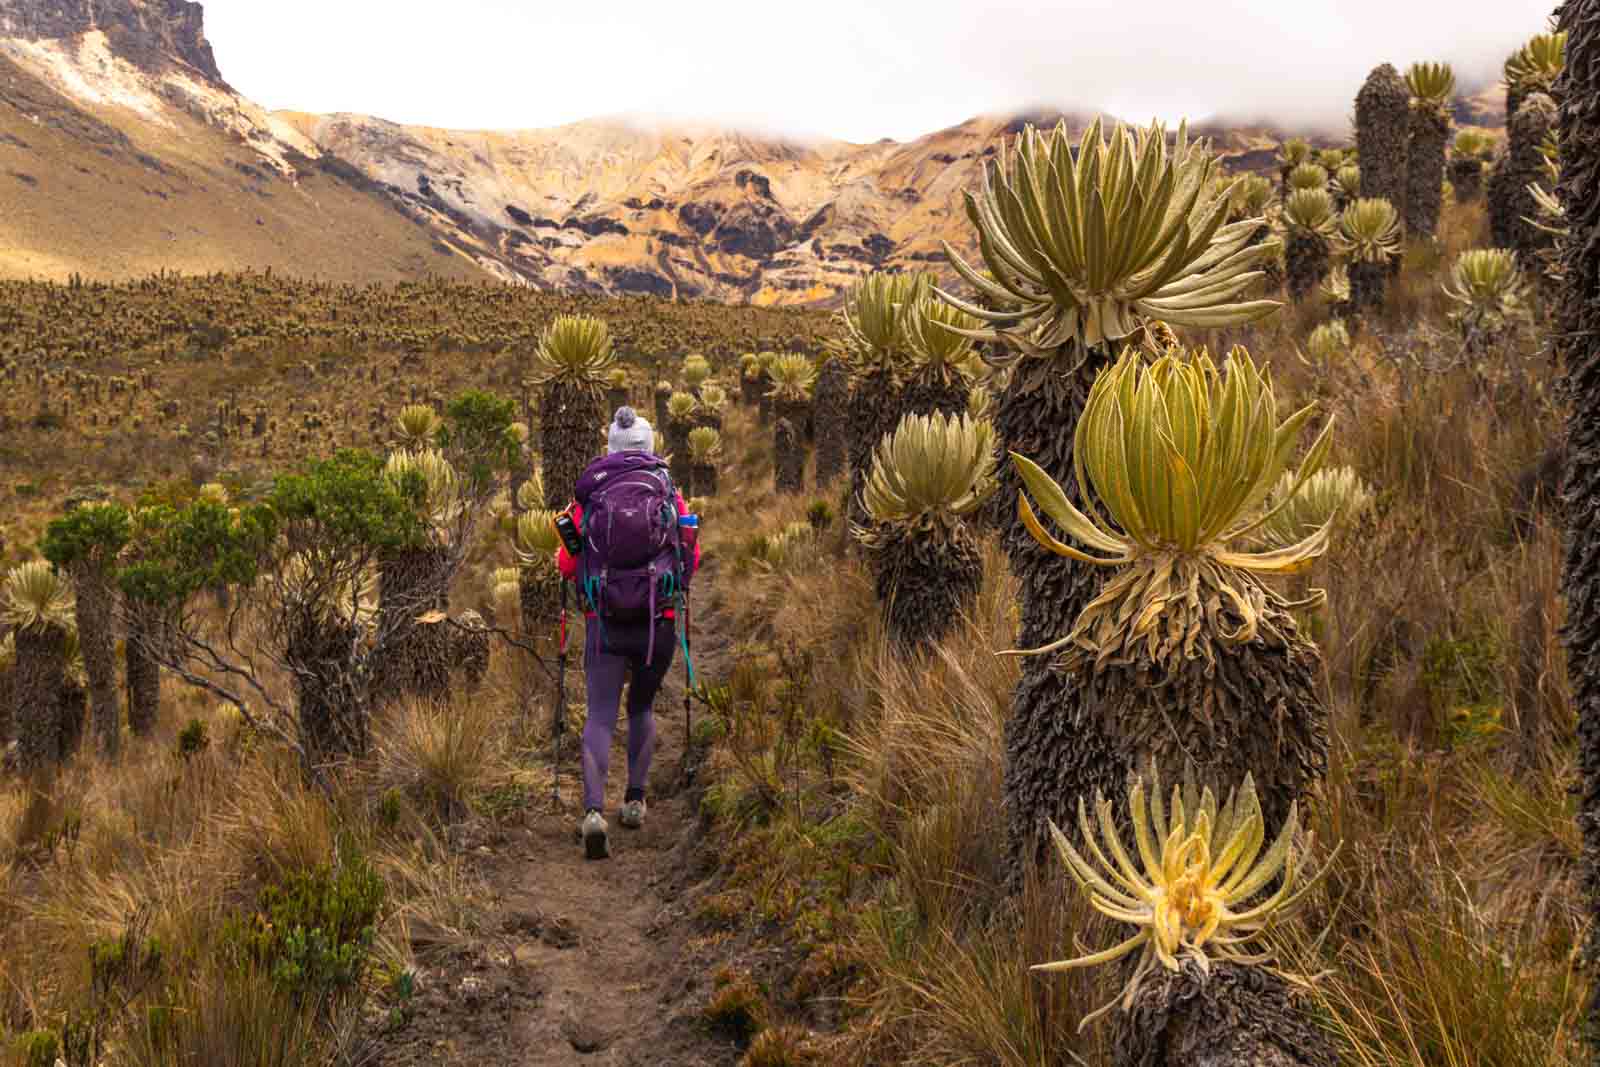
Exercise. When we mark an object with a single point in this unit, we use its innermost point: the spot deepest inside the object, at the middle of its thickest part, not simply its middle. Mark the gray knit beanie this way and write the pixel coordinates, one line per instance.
(629, 432)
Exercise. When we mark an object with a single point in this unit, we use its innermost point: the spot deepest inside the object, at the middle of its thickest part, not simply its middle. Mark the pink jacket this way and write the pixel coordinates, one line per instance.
(569, 566)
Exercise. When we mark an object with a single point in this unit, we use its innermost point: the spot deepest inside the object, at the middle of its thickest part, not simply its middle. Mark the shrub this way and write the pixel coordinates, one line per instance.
(39, 1048)
(193, 738)
(312, 930)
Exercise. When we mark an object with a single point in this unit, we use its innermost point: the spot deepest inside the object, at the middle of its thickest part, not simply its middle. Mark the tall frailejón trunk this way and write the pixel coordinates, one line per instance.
(1430, 130)
(332, 704)
(1272, 270)
(1509, 202)
(702, 479)
(1514, 97)
(1369, 284)
(1046, 743)
(413, 658)
(1466, 177)
(8, 725)
(1306, 257)
(72, 713)
(570, 424)
(925, 583)
(789, 446)
(1258, 713)
(539, 604)
(749, 390)
(36, 684)
(143, 672)
(1523, 165)
(830, 404)
(95, 598)
(1237, 1016)
(931, 392)
(1383, 131)
(873, 413)
(1578, 331)
(677, 435)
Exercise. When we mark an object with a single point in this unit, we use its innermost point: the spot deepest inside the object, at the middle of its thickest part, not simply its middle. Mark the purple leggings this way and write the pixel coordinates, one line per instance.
(605, 665)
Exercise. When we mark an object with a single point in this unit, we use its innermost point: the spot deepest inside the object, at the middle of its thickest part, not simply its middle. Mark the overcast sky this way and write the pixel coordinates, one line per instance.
(853, 69)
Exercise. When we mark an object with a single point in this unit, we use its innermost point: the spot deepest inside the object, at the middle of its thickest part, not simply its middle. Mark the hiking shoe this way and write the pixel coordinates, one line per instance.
(632, 815)
(596, 846)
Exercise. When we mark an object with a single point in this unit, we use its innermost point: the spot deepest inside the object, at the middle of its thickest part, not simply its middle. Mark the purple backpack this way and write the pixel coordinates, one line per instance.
(631, 568)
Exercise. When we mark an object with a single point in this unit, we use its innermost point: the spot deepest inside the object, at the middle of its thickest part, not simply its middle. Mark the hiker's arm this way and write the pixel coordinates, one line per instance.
(694, 564)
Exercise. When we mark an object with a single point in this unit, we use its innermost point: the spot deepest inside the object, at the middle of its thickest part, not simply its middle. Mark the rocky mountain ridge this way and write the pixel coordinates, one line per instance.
(149, 33)
(610, 205)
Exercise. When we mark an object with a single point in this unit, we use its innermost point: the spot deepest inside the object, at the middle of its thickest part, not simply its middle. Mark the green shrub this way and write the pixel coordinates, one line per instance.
(193, 738)
(311, 931)
(39, 1048)
(1463, 680)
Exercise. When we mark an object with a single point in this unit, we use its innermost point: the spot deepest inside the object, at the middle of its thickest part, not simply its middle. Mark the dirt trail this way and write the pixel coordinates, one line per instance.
(589, 962)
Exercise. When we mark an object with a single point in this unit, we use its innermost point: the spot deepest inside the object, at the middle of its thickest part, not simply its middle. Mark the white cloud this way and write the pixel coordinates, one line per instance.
(856, 69)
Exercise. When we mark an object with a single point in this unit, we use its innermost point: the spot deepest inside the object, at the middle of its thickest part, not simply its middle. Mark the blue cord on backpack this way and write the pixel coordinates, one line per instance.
(683, 643)
(592, 591)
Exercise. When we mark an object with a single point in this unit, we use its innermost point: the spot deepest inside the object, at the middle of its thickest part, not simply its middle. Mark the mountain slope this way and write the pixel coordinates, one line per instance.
(123, 150)
(109, 168)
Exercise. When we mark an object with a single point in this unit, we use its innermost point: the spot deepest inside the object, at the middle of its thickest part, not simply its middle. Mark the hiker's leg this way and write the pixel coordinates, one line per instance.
(641, 696)
(602, 675)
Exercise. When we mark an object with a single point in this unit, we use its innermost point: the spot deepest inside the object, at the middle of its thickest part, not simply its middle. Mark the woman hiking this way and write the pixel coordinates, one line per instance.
(633, 563)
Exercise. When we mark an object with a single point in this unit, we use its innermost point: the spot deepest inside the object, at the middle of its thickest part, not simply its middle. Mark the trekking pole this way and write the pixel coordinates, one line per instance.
(561, 697)
(688, 692)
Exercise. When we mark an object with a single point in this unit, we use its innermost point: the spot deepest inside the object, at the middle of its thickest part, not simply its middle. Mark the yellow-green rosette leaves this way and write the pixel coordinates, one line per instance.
(37, 594)
(872, 322)
(792, 375)
(536, 539)
(575, 349)
(1431, 84)
(1181, 455)
(1293, 152)
(1335, 493)
(705, 445)
(1370, 230)
(1308, 176)
(1087, 242)
(1487, 289)
(1534, 67)
(1473, 143)
(713, 398)
(1310, 211)
(1197, 886)
(418, 425)
(430, 481)
(696, 369)
(935, 333)
(932, 467)
(681, 405)
(1252, 195)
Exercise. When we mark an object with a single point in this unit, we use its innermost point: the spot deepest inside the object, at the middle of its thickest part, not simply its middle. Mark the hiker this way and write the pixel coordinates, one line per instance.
(632, 566)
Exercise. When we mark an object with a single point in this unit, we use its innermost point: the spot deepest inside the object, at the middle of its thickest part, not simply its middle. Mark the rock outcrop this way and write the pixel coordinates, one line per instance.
(151, 34)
